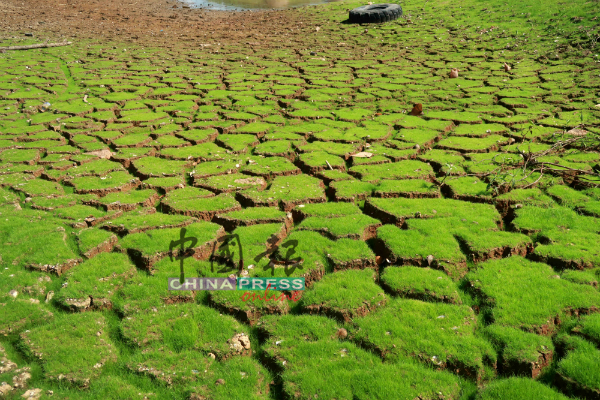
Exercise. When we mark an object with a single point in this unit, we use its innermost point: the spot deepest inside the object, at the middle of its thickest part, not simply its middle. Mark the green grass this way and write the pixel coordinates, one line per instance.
(345, 292)
(527, 295)
(90, 239)
(516, 347)
(412, 328)
(519, 389)
(306, 348)
(421, 283)
(589, 327)
(181, 327)
(270, 108)
(327, 209)
(158, 240)
(351, 226)
(146, 219)
(97, 280)
(73, 347)
(581, 364)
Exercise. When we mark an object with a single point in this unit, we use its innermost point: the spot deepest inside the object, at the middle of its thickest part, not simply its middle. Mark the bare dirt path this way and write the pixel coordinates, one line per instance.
(145, 22)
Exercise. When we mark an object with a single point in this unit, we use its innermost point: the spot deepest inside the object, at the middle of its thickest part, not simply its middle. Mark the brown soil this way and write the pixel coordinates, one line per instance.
(408, 195)
(104, 247)
(124, 231)
(526, 368)
(344, 315)
(201, 215)
(423, 296)
(103, 192)
(502, 252)
(252, 315)
(382, 215)
(126, 162)
(231, 223)
(354, 264)
(57, 269)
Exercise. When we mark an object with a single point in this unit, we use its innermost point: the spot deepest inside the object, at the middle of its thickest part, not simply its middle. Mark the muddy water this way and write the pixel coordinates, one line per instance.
(231, 5)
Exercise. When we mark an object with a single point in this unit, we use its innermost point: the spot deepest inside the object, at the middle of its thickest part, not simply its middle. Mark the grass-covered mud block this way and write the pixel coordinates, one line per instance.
(35, 240)
(434, 246)
(358, 226)
(73, 348)
(306, 348)
(180, 327)
(251, 216)
(127, 201)
(398, 210)
(146, 219)
(578, 371)
(520, 353)
(436, 334)
(523, 294)
(519, 388)
(94, 241)
(92, 284)
(344, 295)
(199, 203)
(417, 283)
(19, 313)
(113, 182)
(146, 248)
(287, 192)
(243, 308)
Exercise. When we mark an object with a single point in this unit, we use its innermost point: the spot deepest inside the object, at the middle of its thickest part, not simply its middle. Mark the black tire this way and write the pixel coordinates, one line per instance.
(375, 13)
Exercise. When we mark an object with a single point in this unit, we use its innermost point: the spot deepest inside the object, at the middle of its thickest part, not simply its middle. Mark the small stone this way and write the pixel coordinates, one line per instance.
(50, 392)
(27, 199)
(313, 53)
(33, 394)
(5, 388)
(220, 382)
(20, 381)
(13, 293)
(240, 342)
(429, 259)
(49, 296)
(211, 355)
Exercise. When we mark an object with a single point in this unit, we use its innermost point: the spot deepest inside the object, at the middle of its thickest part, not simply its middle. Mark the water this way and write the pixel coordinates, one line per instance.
(239, 5)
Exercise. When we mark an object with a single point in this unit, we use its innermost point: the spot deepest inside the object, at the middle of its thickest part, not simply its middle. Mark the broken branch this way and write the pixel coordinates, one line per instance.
(35, 46)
